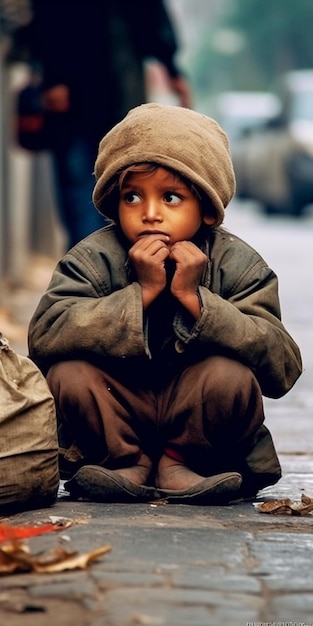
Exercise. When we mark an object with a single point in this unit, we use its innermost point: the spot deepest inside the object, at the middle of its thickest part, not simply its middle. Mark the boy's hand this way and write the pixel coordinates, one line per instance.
(190, 265)
(148, 256)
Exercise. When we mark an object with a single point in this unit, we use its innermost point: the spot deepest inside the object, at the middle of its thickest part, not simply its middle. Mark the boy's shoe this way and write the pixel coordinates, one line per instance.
(218, 489)
(96, 483)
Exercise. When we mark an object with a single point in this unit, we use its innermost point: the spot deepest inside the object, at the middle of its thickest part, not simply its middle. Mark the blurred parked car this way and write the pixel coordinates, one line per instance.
(239, 112)
(274, 163)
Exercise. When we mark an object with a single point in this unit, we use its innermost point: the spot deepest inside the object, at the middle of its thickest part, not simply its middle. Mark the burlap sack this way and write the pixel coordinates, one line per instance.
(29, 475)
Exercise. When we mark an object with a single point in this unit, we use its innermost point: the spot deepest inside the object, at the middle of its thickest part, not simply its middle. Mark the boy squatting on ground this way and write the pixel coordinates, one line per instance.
(160, 332)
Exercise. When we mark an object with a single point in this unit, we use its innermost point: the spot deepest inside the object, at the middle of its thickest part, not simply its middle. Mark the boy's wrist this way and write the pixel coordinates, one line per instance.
(148, 296)
(192, 303)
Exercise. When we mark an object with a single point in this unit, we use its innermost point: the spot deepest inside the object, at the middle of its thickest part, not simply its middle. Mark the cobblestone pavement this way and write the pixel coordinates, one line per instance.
(173, 565)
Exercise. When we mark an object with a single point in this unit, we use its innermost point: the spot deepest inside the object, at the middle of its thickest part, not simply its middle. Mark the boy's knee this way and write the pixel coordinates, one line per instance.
(223, 375)
(69, 378)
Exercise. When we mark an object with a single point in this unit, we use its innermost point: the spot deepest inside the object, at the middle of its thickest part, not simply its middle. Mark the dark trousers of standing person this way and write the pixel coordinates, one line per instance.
(73, 164)
(211, 415)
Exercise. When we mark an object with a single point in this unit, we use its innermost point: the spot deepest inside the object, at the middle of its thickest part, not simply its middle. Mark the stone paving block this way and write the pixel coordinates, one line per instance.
(132, 578)
(124, 566)
(292, 607)
(176, 607)
(297, 463)
(291, 485)
(19, 611)
(78, 589)
(284, 561)
(207, 578)
(178, 545)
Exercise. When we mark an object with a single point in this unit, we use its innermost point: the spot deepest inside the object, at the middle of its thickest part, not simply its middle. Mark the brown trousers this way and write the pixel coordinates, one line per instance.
(211, 414)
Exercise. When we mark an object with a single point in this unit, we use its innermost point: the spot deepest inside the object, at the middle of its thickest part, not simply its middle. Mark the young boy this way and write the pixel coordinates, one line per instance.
(160, 332)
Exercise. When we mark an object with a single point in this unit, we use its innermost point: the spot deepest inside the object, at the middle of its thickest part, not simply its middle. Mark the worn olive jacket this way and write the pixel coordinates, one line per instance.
(92, 309)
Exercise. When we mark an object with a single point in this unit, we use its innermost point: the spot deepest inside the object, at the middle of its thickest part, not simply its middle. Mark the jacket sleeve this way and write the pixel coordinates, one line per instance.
(155, 33)
(78, 315)
(241, 317)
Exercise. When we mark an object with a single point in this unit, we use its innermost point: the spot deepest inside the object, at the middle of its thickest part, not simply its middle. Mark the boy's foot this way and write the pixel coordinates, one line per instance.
(173, 474)
(138, 473)
(178, 483)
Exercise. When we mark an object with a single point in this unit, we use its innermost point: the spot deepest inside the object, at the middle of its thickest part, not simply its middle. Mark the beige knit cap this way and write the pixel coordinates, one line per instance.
(181, 139)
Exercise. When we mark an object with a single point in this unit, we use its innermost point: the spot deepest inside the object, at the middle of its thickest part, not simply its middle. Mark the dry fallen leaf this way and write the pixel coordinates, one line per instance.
(15, 557)
(306, 499)
(286, 506)
(275, 507)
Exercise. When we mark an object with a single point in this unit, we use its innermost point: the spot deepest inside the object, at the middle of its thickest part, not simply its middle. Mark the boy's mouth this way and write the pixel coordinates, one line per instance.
(144, 233)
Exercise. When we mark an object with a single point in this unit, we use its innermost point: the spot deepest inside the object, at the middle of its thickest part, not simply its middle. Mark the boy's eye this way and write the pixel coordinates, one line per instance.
(172, 198)
(131, 197)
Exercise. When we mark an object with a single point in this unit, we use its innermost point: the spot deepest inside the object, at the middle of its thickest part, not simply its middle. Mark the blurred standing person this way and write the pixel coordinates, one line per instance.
(91, 54)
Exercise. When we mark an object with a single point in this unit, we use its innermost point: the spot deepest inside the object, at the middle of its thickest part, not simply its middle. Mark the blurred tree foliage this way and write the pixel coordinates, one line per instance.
(251, 43)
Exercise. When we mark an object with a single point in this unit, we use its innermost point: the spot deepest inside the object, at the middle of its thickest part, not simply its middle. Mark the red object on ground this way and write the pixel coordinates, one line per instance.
(7, 532)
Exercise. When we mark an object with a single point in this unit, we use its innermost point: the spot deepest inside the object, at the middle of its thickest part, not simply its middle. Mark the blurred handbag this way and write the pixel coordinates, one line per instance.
(29, 473)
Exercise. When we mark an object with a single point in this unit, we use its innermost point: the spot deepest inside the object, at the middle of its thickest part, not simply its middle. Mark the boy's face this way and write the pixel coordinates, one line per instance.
(157, 202)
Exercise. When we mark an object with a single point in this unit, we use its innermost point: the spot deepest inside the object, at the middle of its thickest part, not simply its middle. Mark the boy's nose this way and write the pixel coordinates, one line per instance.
(152, 211)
